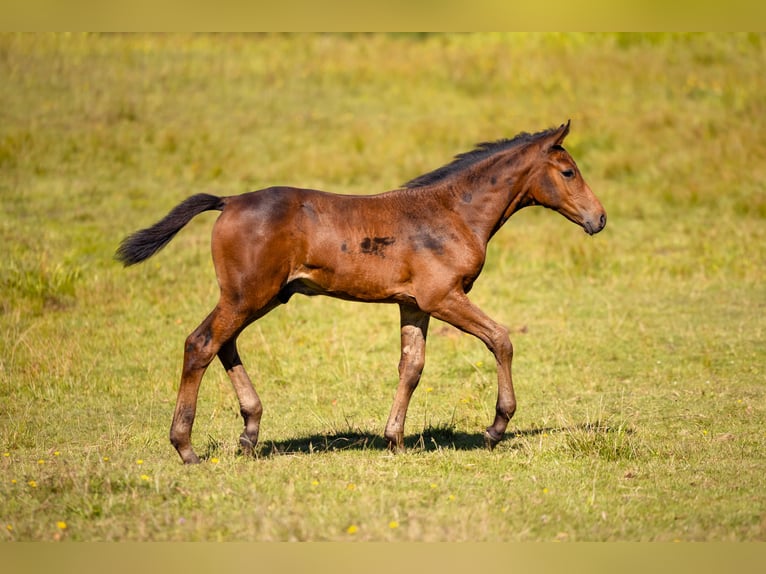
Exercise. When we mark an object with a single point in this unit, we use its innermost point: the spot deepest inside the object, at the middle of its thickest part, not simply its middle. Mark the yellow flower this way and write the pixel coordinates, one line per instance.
(41, 461)
(545, 491)
(350, 486)
(479, 363)
(433, 485)
(61, 525)
(451, 497)
(140, 461)
(393, 524)
(32, 483)
(56, 453)
(106, 459)
(6, 454)
(145, 477)
(429, 389)
(352, 529)
(9, 527)
(315, 482)
(13, 481)
(214, 460)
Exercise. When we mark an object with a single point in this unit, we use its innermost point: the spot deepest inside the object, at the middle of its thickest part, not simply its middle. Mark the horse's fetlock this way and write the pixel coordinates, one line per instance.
(248, 410)
(176, 440)
(506, 409)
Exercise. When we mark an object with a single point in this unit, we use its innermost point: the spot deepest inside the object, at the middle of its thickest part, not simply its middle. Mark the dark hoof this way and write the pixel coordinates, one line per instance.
(247, 445)
(491, 439)
(396, 447)
(395, 442)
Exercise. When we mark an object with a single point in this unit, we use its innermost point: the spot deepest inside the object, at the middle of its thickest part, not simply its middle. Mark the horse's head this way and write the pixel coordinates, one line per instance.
(555, 182)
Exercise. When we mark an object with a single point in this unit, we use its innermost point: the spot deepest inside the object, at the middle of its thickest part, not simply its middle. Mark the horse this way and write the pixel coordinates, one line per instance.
(420, 246)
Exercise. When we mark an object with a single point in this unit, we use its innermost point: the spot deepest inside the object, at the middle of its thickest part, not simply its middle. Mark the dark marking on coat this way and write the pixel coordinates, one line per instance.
(308, 209)
(467, 197)
(273, 203)
(493, 180)
(376, 245)
(424, 240)
(187, 416)
(344, 247)
(551, 192)
(200, 340)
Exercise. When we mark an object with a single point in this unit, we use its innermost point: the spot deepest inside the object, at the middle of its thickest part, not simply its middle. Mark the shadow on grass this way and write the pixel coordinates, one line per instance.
(430, 440)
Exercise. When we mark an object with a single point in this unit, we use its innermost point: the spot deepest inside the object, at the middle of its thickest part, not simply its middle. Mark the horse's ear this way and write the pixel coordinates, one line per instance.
(557, 137)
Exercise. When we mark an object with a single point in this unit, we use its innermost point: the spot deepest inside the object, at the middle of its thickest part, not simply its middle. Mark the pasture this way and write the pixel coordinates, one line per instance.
(639, 361)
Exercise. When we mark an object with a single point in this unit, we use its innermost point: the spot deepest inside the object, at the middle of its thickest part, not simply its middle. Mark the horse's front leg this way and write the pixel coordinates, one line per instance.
(458, 310)
(414, 329)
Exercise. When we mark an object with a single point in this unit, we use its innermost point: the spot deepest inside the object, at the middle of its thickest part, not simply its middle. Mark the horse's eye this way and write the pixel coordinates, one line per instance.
(568, 173)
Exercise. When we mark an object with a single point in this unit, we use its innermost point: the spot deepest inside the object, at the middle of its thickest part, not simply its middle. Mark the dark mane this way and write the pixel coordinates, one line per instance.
(467, 159)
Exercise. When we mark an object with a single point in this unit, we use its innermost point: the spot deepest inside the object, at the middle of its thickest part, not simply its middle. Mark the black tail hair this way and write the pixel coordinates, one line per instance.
(143, 244)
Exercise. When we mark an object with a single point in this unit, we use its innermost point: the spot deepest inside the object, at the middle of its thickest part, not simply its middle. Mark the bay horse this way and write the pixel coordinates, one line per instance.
(421, 246)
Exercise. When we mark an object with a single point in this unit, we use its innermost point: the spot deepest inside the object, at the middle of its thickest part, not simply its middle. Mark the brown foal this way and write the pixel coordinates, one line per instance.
(421, 246)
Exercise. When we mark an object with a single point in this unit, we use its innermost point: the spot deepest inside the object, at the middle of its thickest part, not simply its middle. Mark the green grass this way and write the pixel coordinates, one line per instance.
(639, 353)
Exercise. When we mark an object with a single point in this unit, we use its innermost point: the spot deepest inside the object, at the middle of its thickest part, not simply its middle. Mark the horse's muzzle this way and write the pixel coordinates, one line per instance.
(593, 226)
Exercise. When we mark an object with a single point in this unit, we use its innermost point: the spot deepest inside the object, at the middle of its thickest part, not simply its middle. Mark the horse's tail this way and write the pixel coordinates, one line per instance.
(143, 244)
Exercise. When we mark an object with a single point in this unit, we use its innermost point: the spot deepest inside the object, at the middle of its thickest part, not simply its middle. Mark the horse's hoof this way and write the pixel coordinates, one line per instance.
(247, 445)
(396, 447)
(191, 459)
(490, 441)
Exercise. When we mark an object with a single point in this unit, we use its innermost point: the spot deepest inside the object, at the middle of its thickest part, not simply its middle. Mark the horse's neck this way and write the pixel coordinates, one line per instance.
(486, 198)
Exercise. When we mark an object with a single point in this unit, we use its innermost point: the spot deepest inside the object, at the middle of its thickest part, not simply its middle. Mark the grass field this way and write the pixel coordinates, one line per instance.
(639, 353)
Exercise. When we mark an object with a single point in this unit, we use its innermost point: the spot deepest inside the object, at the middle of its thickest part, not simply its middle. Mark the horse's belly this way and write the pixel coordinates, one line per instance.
(355, 282)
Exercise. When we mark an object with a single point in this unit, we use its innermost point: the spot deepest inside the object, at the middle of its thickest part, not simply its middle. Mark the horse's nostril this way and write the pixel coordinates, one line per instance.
(602, 220)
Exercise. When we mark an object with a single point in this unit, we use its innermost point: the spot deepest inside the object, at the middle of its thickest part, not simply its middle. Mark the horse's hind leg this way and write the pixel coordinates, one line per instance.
(201, 348)
(249, 403)
(414, 329)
